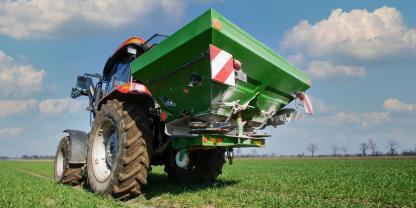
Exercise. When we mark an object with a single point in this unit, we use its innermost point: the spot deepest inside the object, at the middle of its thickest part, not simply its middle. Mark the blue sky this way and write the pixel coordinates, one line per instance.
(359, 54)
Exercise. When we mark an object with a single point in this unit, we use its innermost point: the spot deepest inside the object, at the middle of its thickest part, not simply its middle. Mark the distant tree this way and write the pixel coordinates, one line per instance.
(408, 152)
(312, 148)
(334, 149)
(379, 153)
(363, 148)
(274, 154)
(265, 155)
(4, 157)
(300, 155)
(238, 152)
(345, 150)
(373, 146)
(392, 145)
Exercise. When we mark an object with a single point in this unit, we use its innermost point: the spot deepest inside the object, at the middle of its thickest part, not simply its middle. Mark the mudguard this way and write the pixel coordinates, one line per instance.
(79, 143)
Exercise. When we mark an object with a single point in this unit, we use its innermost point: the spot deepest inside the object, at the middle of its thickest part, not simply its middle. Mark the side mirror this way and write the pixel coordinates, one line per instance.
(75, 93)
(81, 88)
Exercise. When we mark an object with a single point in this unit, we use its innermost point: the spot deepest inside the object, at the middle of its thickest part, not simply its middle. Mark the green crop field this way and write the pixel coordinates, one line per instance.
(246, 183)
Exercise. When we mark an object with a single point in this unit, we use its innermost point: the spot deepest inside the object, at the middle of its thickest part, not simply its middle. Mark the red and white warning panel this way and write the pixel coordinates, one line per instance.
(307, 103)
(222, 66)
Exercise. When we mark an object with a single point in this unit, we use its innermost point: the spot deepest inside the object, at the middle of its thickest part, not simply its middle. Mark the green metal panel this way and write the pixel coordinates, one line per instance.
(185, 45)
(271, 79)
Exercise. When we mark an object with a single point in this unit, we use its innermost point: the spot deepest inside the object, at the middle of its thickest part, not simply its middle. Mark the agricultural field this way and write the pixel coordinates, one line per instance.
(287, 182)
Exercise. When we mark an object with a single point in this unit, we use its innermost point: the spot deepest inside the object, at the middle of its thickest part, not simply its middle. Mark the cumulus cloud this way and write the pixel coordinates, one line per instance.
(11, 131)
(56, 106)
(16, 107)
(296, 59)
(363, 119)
(322, 107)
(18, 79)
(173, 8)
(325, 69)
(358, 33)
(396, 105)
(24, 18)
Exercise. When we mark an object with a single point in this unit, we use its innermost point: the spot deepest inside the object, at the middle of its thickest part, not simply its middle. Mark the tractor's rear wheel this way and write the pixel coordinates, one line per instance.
(66, 173)
(204, 166)
(118, 155)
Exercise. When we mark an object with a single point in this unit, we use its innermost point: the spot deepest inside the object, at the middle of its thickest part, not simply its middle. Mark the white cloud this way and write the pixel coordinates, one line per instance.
(325, 69)
(358, 33)
(56, 106)
(296, 59)
(24, 19)
(174, 8)
(16, 107)
(397, 105)
(11, 131)
(364, 119)
(18, 79)
(322, 107)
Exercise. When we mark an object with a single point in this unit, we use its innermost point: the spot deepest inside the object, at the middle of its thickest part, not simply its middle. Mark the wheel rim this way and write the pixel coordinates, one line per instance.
(59, 170)
(182, 162)
(104, 150)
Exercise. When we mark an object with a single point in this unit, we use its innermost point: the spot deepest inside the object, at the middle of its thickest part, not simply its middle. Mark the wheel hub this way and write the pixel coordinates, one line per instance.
(182, 159)
(111, 148)
(104, 150)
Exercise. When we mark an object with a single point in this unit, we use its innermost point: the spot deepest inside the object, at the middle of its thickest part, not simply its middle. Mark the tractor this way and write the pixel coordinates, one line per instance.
(183, 102)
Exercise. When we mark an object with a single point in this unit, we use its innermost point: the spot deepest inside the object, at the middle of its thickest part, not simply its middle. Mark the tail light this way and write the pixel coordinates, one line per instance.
(237, 65)
(132, 87)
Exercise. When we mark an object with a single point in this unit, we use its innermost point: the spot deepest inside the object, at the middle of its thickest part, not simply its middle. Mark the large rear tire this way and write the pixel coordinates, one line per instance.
(119, 150)
(66, 173)
(204, 167)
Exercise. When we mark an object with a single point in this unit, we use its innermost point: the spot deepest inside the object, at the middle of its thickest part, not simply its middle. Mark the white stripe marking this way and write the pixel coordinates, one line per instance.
(308, 105)
(218, 63)
(230, 79)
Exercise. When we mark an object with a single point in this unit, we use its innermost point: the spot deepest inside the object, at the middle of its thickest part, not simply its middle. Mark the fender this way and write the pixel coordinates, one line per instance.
(129, 91)
(78, 141)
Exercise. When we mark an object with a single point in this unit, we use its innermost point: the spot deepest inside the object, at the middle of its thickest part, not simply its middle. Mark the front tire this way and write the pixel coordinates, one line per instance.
(66, 173)
(118, 155)
(204, 166)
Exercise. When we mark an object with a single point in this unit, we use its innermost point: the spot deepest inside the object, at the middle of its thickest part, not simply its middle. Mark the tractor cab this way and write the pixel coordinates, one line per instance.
(116, 73)
(117, 68)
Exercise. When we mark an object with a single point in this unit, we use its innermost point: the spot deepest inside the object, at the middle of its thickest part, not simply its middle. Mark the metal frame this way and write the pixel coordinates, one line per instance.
(216, 141)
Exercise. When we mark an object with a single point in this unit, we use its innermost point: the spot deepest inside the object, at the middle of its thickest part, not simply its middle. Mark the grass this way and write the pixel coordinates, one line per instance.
(247, 183)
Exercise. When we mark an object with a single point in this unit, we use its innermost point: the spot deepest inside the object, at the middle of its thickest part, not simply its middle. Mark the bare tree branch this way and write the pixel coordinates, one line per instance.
(363, 148)
(334, 149)
(312, 148)
(392, 145)
(373, 146)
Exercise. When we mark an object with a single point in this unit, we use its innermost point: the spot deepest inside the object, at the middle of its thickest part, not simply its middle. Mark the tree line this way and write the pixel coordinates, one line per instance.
(29, 157)
(369, 148)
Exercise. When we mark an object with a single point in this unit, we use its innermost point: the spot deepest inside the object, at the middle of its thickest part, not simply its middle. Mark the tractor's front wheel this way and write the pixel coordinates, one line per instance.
(202, 166)
(118, 155)
(66, 173)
